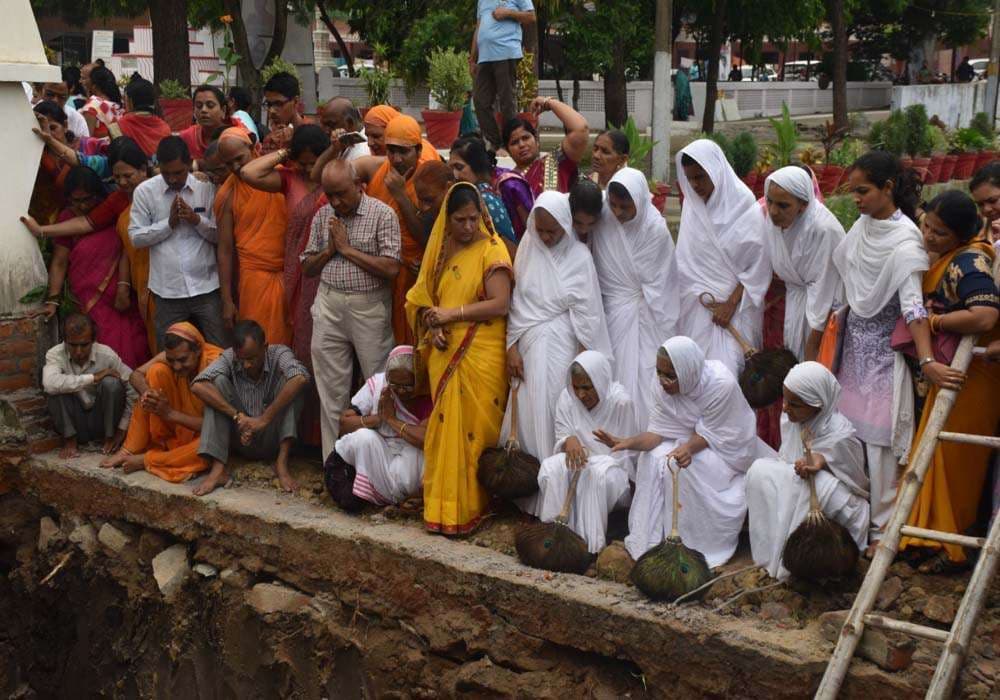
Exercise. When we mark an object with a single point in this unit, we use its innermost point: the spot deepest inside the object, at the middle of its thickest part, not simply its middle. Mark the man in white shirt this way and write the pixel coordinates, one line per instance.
(59, 93)
(172, 216)
(87, 388)
(341, 120)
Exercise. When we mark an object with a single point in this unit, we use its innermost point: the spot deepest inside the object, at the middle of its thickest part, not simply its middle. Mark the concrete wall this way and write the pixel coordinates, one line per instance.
(954, 104)
(741, 100)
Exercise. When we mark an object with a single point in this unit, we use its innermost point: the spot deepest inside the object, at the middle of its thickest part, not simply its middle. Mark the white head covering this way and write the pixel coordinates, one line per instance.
(801, 256)
(614, 411)
(646, 215)
(552, 281)
(710, 403)
(401, 357)
(875, 258)
(730, 198)
(832, 434)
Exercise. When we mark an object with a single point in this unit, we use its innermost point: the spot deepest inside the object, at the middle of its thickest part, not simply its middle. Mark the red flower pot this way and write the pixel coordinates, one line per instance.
(922, 166)
(985, 157)
(830, 179)
(442, 127)
(751, 180)
(660, 195)
(758, 188)
(178, 113)
(934, 169)
(965, 166)
(948, 167)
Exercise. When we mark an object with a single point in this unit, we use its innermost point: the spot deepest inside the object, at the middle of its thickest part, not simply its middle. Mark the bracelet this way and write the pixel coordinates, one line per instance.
(402, 429)
(125, 283)
(927, 361)
(50, 302)
(237, 415)
(462, 312)
(363, 424)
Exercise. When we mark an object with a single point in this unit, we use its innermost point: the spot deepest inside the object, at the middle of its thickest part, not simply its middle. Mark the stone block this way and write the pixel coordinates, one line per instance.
(940, 609)
(48, 532)
(888, 650)
(271, 598)
(205, 570)
(113, 538)
(171, 569)
(891, 589)
(85, 537)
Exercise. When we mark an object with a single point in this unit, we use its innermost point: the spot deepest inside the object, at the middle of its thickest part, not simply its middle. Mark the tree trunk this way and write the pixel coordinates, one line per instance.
(576, 93)
(714, 53)
(249, 73)
(332, 28)
(171, 53)
(837, 25)
(542, 30)
(616, 90)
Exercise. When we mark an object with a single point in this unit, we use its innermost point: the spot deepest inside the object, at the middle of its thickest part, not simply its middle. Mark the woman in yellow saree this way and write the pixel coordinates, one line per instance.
(458, 310)
(961, 296)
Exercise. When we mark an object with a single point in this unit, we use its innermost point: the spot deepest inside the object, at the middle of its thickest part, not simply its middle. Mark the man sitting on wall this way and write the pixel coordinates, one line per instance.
(86, 385)
(253, 394)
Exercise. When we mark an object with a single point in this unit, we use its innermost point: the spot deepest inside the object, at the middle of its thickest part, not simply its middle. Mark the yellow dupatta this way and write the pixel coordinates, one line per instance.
(467, 381)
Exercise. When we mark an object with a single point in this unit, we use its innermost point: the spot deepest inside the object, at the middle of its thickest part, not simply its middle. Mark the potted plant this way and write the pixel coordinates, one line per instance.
(449, 81)
(742, 154)
(830, 136)
(175, 105)
(918, 142)
(967, 143)
(938, 146)
(377, 84)
(766, 162)
(981, 123)
(889, 135)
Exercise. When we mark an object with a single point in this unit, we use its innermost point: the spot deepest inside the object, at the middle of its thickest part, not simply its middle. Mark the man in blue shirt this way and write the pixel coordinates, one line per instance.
(496, 50)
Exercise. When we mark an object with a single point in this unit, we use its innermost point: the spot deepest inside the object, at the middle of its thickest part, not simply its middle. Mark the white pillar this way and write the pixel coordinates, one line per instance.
(663, 91)
(993, 69)
(21, 58)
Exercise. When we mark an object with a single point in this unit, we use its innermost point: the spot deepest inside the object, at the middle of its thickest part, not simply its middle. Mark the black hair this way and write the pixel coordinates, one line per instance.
(283, 83)
(71, 76)
(513, 125)
(125, 150)
(77, 322)
(172, 342)
(308, 137)
(141, 94)
(586, 196)
(80, 177)
(50, 110)
(617, 189)
(988, 174)
(247, 329)
(880, 167)
(687, 161)
(104, 80)
(473, 151)
(958, 212)
(460, 196)
(619, 141)
(220, 98)
(171, 148)
(241, 97)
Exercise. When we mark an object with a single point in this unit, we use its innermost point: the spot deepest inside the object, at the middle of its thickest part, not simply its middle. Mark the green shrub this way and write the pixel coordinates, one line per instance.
(847, 152)
(970, 140)
(438, 29)
(377, 84)
(787, 134)
(937, 138)
(917, 141)
(279, 65)
(742, 154)
(173, 90)
(844, 209)
(449, 78)
(889, 135)
(981, 123)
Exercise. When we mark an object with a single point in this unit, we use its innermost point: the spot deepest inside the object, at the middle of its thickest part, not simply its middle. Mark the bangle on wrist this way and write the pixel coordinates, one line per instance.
(926, 361)
(125, 284)
(402, 429)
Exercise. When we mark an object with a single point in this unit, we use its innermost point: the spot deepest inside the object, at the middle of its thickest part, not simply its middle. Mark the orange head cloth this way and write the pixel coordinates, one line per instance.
(242, 135)
(186, 331)
(380, 115)
(403, 131)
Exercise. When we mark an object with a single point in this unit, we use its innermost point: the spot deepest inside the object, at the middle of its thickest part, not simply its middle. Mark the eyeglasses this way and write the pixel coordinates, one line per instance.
(401, 387)
(278, 104)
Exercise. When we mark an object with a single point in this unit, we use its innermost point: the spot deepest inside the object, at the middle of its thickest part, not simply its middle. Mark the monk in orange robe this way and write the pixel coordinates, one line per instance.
(253, 222)
(376, 119)
(390, 180)
(166, 421)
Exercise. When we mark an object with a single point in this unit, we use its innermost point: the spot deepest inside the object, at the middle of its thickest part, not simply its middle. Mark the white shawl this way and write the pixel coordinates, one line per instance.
(832, 433)
(709, 403)
(614, 412)
(557, 280)
(634, 262)
(721, 244)
(802, 257)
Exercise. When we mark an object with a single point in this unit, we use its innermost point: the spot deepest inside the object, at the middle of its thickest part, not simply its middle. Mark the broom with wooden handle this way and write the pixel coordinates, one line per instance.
(670, 570)
(764, 371)
(554, 546)
(819, 548)
(509, 472)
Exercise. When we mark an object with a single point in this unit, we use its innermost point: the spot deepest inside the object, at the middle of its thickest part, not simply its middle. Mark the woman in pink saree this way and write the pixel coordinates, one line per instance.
(91, 266)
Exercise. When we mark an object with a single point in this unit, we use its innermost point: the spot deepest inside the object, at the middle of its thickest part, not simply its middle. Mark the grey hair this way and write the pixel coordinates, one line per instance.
(577, 370)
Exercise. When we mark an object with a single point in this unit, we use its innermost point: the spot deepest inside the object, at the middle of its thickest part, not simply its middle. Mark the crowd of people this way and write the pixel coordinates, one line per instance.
(333, 281)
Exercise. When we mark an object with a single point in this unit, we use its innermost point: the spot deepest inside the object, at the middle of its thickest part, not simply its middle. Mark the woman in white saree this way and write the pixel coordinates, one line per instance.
(777, 493)
(591, 401)
(555, 313)
(633, 253)
(721, 251)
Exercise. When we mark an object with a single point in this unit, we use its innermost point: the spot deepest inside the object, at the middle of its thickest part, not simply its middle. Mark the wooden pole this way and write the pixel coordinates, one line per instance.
(663, 90)
(912, 480)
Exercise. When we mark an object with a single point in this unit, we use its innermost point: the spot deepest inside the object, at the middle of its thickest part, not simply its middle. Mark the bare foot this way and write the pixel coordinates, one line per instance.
(288, 484)
(133, 463)
(69, 449)
(115, 460)
(870, 551)
(216, 478)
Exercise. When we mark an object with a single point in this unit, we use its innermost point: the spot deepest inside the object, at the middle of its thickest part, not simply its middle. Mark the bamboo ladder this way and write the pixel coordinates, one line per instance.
(956, 640)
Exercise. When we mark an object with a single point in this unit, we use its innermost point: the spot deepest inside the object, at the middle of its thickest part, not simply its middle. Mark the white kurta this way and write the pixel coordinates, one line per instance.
(778, 500)
(603, 484)
(634, 265)
(555, 310)
(712, 498)
(389, 469)
(802, 258)
(720, 245)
